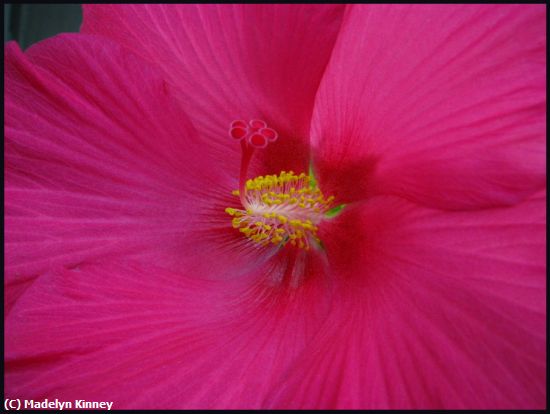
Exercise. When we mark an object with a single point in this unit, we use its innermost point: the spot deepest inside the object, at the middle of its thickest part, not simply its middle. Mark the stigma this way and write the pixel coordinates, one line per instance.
(282, 209)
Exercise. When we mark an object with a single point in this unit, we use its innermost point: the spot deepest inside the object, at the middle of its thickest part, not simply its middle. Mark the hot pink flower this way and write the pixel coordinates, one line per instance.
(135, 273)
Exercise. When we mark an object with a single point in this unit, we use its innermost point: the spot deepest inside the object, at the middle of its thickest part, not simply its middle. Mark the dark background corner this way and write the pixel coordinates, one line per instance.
(30, 23)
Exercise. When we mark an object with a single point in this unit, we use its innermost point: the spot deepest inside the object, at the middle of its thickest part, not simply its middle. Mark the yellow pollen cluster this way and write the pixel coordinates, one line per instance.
(281, 209)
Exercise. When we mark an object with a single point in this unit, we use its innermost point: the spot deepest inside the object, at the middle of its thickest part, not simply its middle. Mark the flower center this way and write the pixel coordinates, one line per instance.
(282, 209)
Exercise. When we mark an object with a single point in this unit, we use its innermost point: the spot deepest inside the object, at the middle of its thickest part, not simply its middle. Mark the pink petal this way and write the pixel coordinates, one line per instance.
(233, 62)
(110, 332)
(101, 160)
(438, 310)
(441, 104)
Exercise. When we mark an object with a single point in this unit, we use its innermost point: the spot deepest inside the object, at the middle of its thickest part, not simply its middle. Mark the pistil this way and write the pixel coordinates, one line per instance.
(283, 209)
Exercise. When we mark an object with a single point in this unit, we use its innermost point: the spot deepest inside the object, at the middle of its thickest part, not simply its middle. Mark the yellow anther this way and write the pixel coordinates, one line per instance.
(286, 196)
(276, 239)
(282, 219)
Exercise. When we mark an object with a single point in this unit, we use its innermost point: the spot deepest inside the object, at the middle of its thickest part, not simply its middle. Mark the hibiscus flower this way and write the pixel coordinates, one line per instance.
(368, 234)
